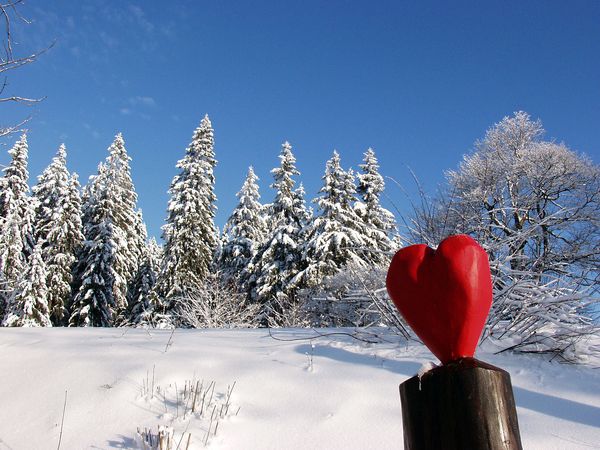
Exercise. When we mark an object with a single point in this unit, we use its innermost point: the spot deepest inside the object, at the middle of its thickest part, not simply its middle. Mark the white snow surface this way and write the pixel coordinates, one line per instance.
(319, 393)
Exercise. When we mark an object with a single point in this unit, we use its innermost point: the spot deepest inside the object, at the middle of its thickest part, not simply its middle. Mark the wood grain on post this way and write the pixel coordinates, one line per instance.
(463, 405)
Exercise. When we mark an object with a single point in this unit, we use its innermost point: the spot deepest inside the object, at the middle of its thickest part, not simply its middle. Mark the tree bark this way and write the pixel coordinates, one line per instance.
(465, 404)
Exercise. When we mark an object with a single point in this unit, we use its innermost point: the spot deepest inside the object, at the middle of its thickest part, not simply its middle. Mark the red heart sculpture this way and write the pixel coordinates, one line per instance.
(445, 295)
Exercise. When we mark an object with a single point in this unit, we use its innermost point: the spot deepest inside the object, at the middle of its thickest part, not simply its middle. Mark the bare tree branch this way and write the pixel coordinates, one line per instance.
(9, 61)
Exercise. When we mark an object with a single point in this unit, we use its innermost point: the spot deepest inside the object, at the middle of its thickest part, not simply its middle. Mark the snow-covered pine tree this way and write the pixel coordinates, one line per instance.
(58, 231)
(222, 239)
(12, 258)
(94, 301)
(380, 224)
(139, 238)
(89, 189)
(16, 220)
(190, 234)
(126, 220)
(4, 289)
(74, 236)
(278, 258)
(140, 299)
(306, 217)
(245, 230)
(109, 258)
(4, 197)
(139, 247)
(335, 237)
(4, 296)
(50, 192)
(304, 214)
(88, 203)
(28, 306)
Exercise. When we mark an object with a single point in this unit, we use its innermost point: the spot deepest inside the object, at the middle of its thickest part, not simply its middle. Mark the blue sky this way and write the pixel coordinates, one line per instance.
(417, 81)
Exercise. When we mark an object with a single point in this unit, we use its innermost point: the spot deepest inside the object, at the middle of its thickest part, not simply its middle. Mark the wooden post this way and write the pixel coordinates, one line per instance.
(464, 404)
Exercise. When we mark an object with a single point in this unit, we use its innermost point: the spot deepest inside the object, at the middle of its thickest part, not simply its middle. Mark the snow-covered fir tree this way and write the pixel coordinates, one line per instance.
(88, 209)
(4, 198)
(4, 296)
(16, 221)
(303, 213)
(139, 247)
(89, 190)
(59, 231)
(380, 224)
(109, 258)
(278, 259)
(28, 306)
(222, 240)
(142, 285)
(190, 234)
(50, 191)
(4, 289)
(335, 237)
(129, 228)
(138, 242)
(93, 301)
(14, 193)
(245, 230)
(12, 258)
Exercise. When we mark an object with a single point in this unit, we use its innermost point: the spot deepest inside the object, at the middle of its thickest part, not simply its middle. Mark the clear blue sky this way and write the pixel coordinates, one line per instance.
(418, 81)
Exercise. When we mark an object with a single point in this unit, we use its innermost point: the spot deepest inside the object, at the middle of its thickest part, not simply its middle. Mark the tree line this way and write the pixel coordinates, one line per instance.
(81, 257)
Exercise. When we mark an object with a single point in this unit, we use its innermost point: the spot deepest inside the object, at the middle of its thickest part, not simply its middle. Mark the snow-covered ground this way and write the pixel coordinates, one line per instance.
(325, 393)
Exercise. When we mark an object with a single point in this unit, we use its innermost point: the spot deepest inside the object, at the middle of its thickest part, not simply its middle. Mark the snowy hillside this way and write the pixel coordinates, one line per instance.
(326, 393)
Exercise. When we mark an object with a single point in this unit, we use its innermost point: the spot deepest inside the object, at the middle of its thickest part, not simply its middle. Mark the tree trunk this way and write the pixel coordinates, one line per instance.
(465, 404)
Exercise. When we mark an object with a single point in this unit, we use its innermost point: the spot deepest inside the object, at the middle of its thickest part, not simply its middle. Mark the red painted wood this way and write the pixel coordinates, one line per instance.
(444, 295)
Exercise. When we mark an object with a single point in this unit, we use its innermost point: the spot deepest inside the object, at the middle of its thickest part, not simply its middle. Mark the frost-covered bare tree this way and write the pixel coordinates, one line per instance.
(11, 59)
(541, 196)
(216, 303)
(353, 297)
(535, 206)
